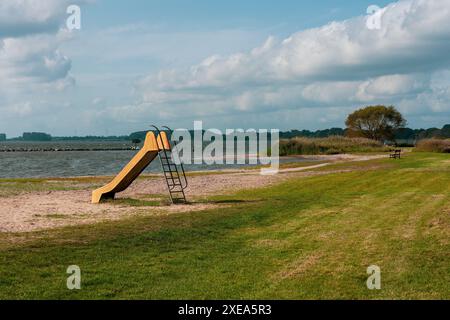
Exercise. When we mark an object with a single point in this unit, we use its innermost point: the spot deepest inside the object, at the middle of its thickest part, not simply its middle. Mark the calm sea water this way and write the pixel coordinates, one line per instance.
(39, 164)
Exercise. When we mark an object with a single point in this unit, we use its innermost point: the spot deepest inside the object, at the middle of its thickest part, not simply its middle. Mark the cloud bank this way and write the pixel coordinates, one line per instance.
(31, 32)
(311, 79)
(33, 69)
(342, 64)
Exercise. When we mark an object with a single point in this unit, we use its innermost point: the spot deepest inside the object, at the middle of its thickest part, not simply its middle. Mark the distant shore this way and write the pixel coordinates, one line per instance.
(66, 149)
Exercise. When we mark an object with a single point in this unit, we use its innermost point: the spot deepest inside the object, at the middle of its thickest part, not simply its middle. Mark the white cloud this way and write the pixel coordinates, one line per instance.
(30, 37)
(20, 110)
(32, 65)
(24, 17)
(436, 99)
(32, 59)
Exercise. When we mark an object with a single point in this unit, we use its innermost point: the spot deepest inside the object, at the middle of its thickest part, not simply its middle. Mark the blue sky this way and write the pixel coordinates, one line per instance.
(291, 15)
(261, 64)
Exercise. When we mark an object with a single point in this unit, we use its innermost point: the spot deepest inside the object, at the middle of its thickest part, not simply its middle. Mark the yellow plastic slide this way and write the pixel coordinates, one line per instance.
(134, 168)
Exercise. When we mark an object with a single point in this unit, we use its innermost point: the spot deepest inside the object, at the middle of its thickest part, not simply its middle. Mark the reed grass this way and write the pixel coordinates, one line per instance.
(433, 145)
(329, 145)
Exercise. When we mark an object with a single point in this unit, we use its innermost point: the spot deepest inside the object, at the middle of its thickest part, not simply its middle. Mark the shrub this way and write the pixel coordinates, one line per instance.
(330, 145)
(433, 145)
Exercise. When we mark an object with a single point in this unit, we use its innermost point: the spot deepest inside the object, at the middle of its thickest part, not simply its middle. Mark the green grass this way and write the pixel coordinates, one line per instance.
(56, 216)
(307, 238)
(11, 187)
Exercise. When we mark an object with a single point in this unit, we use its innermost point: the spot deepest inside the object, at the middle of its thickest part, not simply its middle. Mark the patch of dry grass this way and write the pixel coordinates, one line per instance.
(433, 145)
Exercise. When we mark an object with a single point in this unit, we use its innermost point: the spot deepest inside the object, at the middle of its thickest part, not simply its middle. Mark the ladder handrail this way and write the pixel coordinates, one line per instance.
(165, 153)
(161, 140)
(174, 146)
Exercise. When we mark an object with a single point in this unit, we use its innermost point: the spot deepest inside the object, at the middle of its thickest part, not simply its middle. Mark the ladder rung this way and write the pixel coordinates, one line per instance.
(173, 178)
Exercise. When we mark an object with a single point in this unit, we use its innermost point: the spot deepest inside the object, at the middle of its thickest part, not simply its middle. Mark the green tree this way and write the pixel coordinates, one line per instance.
(375, 122)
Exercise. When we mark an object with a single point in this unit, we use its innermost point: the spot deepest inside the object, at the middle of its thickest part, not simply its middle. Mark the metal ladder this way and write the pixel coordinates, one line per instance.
(174, 174)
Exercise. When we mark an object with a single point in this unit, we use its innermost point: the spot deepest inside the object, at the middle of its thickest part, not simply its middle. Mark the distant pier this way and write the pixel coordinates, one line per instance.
(51, 149)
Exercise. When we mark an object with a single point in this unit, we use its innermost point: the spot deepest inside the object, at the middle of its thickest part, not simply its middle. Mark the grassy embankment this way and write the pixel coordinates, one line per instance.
(306, 238)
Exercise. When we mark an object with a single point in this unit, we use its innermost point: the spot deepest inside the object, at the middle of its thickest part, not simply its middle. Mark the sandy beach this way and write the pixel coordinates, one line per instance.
(30, 211)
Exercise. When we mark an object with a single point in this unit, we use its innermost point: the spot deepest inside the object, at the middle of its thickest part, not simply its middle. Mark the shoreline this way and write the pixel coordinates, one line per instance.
(69, 149)
(243, 168)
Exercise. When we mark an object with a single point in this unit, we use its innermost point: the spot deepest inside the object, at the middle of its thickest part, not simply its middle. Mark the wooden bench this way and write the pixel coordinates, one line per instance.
(395, 154)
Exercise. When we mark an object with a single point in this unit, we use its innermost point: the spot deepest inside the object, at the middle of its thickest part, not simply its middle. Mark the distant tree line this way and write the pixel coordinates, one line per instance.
(399, 134)
(40, 136)
(91, 138)
(36, 136)
(140, 135)
(313, 134)
(419, 134)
